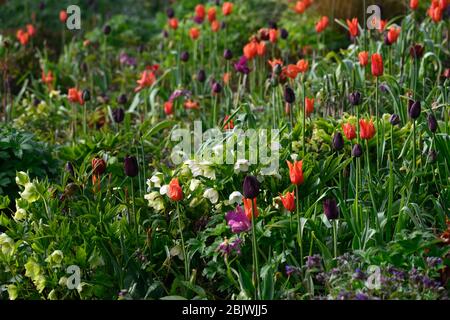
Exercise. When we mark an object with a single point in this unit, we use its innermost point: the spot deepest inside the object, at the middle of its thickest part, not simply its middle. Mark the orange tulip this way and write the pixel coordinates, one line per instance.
(190, 104)
(367, 129)
(322, 24)
(309, 105)
(363, 58)
(377, 65)
(251, 50)
(303, 65)
(413, 4)
(147, 79)
(211, 14)
(300, 7)
(173, 23)
(229, 125)
(200, 11)
(435, 13)
(23, 37)
(168, 108)
(194, 33)
(296, 172)
(227, 8)
(31, 30)
(288, 201)
(63, 16)
(273, 35)
(75, 96)
(261, 48)
(275, 62)
(393, 34)
(215, 26)
(226, 78)
(175, 192)
(349, 131)
(353, 27)
(248, 208)
(47, 78)
(291, 71)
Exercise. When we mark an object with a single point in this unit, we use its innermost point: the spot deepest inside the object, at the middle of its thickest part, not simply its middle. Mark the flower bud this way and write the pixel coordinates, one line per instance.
(118, 115)
(357, 151)
(414, 111)
(284, 34)
(228, 54)
(184, 56)
(216, 88)
(338, 141)
(250, 187)
(201, 76)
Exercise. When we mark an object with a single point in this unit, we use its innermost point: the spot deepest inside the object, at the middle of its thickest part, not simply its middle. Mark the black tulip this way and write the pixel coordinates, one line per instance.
(414, 111)
(357, 151)
(69, 169)
(338, 141)
(432, 123)
(355, 98)
(227, 54)
(86, 95)
(330, 209)
(201, 76)
(384, 88)
(118, 115)
(394, 119)
(184, 56)
(170, 13)
(289, 95)
(216, 88)
(131, 166)
(284, 34)
(122, 99)
(250, 187)
(107, 30)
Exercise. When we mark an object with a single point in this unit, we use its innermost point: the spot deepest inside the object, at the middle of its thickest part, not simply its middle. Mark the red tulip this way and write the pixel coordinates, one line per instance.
(413, 4)
(194, 33)
(363, 58)
(393, 34)
(229, 125)
(175, 192)
(200, 11)
(353, 27)
(173, 23)
(23, 37)
(302, 65)
(146, 80)
(31, 30)
(309, 105)
(300, 7)
(349, 131)
(322, 24)
(211, 14)
(248, 208)
(261, 48)
(251, 50)
(273, 35)
(168, 108)
(75, 96)
(215, 26)
(377, 65)
(227, 8)
(296, 172)
(288, 201)
(63, 16)
(367, 129)
(47, 78)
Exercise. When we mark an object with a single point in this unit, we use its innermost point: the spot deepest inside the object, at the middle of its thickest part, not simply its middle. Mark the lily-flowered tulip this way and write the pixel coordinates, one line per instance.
(353, 27)
(147, 79)
(250, 187)
(309, 105)
(227, 8)
(413, 4)
(174, 191)
(194, 33)
(23, 37)
(393, 35)
(241, 66)
(322, 24)
(349, 131)
(248, 208)
(237, 220)
(288, 201)
(296, 172)
(289, 95)
(363, 58)
(303, 65)
(47, 78)
(75, 96)
(394, 119)
(273, 35)
(367, 129)
(377, 65)
(355, 98)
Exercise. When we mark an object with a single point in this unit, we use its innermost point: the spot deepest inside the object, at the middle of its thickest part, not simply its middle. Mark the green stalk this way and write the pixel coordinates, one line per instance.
(378, 126)
(414, 144)
(299, 235)
(183, 249)
(304, 116)
(334, 224)
(255, 254)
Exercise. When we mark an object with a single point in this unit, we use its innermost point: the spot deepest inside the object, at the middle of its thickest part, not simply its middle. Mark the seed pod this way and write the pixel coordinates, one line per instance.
(357, 151)
(250, 187)
(131, 167)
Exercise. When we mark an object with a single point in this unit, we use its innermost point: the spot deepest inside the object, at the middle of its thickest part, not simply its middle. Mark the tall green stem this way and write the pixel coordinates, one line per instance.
(255, 254)
(183, 248)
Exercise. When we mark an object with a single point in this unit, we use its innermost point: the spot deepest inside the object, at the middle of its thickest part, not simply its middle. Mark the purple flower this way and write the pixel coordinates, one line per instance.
(178, 93)
(125, 59)
(227, 247)
(237, 220)
(361, 296)
(313, 262)
(241, 66)
(290, 270)
(359, 274)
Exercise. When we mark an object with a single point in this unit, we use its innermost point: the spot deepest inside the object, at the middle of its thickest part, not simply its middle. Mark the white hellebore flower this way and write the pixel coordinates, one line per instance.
(164, 189)
(195, 167)
(212, 195)
(241, 165)
(154, 181)
(208, 171)
(235, 197)
(194, 184)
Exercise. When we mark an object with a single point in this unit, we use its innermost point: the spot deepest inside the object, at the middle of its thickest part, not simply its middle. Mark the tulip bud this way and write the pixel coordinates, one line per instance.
(338, 141)
(131, 167)
(216, 88)
(394, 119)
(98, 166)
(118, 115)
(432, 123)
(414, 111)
(355, 98)
(357, 151)
(170, 13)
(284, 34)
(227, 54)
(330, 209)
(251, 187)
(201, 76)
(122, 99)
(184, 56)
(86, 96)
(289, 95)
(106, 30)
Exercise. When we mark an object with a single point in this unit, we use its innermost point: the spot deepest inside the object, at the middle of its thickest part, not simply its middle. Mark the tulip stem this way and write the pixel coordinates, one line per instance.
(255, 254)
(84, 119)
(378, 127)
(183, 249)
(304, 115)
(414, 144)
(334, 224)
(299, 237)
(132, 199)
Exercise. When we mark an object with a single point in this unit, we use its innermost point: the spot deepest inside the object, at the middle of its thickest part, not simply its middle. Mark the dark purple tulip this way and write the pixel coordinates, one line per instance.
(201, 76)
(118, 115)
(355, 98)
(86, 95)
(170, 13)
(217, 2)
(122, 99)
(250, 187)
(227, 54)
(357, 151)
(330, 209)
(414, 111)
(216, 88)
(106, 30)
(386, 40)
(416, 51)
(184, 56)
(69, 169)
(241, 66)
(289, 95)
(284, 34)
(131, 166)
(432, 123)
(394, 119)
(338, 141)
(198, 20)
